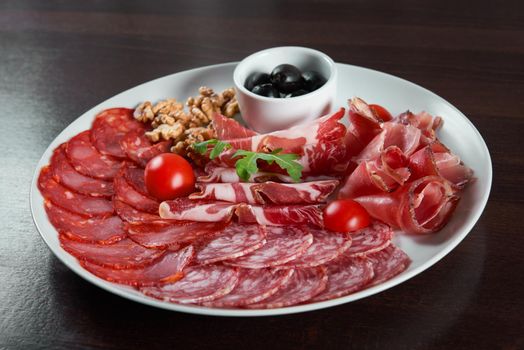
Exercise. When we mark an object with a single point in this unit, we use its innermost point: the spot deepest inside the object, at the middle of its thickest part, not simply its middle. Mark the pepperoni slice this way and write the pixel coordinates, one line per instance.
(200, 284)
(86, 159)
(140, 149)
(234, 241)
(130, 214)
(304, 285)
(72, 201)
(283, 245)
(371, 239)
(346, 275)
(65, 174)
(388, 263)
(127, 194)
(124, 254)
(167, 269)
(110, 127)
(103, 231)
(165, 233)
(326, 246)
(254, 285)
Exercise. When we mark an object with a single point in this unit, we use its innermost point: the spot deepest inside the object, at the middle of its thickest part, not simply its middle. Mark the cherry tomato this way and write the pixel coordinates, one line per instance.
(168, 176)
(381, 112)
(345, 215)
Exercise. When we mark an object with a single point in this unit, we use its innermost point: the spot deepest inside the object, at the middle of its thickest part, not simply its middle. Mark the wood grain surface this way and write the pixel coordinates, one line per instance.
(60, 58)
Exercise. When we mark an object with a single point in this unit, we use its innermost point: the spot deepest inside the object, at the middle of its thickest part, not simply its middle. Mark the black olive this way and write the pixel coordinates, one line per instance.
(267, 90)
(299, 92)
(255, 79)
(313, 80)
(287, 78)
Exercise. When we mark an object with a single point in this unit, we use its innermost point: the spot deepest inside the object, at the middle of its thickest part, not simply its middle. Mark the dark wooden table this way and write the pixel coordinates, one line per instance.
(60, 58)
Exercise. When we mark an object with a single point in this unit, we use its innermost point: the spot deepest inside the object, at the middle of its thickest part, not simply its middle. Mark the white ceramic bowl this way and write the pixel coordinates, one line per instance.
(265, 114)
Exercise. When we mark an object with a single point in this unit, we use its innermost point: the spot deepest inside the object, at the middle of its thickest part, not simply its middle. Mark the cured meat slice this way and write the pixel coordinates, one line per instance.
(86, 159)
(254, 285)
(283, 244)
(346, 275)
(163, 234)
(127, 194)
(267, 192)
(228, 128)
(109, 128)
(423, 120)
(130, 214)
(199, 284)
(72, 201)
(234, 241)
(326, 246)
(103, 231)
(303, 285)
(422, 206)
(388, 263)
(140, 149)
(280, 214)
(65, 174)
(135, 177)
(370, 239)
(222, 174)
(167, 269)
(197, 210)
(124, 254)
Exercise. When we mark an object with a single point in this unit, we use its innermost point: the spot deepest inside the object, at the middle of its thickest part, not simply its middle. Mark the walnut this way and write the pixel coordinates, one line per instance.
(166, 132)
(144, 112)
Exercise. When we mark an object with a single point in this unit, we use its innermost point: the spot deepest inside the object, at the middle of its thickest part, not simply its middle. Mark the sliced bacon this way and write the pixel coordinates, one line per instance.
(130, 214)
(388, 263)
(266, 192)
(87, 160)
(373, 238)
(140, 149)
(422, 206)
(197, 210)
(276, 215)
(65, 174)
(127, 194)
(72, 201)
(228, 128)
(167, 269)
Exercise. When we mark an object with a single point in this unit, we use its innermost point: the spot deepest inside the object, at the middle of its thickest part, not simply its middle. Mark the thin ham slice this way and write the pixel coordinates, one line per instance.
(221, 174)
(127, 194)
(228, 128)
(197, 210)
(363, 126)
(167, 269)
(140, 149)
(388, 263)
(130, 214)
(370, 239)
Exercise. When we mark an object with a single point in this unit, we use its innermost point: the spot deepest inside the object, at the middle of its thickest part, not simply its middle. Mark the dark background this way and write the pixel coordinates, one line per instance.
(60, 58)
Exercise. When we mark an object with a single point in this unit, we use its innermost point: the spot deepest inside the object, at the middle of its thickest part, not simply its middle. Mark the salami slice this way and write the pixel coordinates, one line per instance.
(130, 214)
(127, 194)
(65, 174)
(254, 285)
(200, 284)
(72, 201)
(326, 246)
(346, 275)
(86, 159)
(304, 285)
(103, 231)
(135, 177)
(124, 254)
(371, 239)
(388, 263)
(140, 149)
(167, 269)
(110, 127)
(283, 245)
(165, 233)
(234, 241)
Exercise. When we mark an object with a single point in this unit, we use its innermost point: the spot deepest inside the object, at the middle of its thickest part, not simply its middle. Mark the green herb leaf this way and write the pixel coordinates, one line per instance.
(201, 147)
(247, 165)
(219, 148)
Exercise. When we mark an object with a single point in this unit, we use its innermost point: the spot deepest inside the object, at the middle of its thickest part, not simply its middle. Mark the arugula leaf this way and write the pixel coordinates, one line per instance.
(201, 147)
(219, 148)
(247, 165)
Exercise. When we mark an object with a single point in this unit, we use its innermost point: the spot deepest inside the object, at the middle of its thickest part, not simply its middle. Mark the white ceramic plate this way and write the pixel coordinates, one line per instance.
(394, 93)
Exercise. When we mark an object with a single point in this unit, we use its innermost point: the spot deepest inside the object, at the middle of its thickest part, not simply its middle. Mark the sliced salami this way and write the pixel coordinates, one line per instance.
(130, 214)
(234, 241)
(283, 244)
(346, 275)
(140, 149)
(303, 285)
(167, 269)
(86, 159)
(124, 254)
(199, 284)
(371, 239)
(72, 201)
(135, 177)
(254, 285)
(165, 233)
(127, 194)
(326, 246)
(388, 263)
(103, 231)
(110, 127)
(65, 174)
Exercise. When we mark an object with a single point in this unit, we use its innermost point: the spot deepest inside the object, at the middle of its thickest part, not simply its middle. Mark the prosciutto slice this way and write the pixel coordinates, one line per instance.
(228, 128)
(266, 192)
(197, 210)
(363, 126)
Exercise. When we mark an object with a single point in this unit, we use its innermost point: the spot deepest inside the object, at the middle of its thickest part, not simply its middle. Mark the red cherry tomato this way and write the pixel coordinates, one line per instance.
(168, 176)
(381, 112)
(345, 215)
